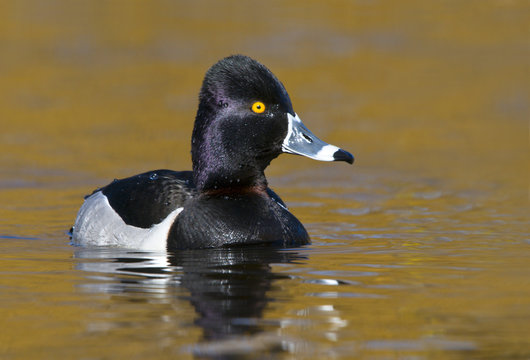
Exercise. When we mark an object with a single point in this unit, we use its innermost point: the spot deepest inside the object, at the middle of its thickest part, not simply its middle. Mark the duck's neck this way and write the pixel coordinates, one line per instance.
(219, 171)
(219, 178)
(219, 163)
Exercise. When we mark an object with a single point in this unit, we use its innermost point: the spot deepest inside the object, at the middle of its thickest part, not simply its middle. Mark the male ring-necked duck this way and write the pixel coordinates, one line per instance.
(245, 120)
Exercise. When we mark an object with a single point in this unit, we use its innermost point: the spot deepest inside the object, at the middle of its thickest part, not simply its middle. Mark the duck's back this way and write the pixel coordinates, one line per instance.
(147, 199)
(134, 212)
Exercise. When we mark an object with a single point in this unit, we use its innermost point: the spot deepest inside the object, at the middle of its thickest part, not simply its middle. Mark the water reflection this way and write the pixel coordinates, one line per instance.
(229, 284)
(228, 288)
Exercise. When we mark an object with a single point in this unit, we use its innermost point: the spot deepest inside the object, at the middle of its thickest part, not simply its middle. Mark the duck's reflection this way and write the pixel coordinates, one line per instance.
(229, 284)
(227, 287)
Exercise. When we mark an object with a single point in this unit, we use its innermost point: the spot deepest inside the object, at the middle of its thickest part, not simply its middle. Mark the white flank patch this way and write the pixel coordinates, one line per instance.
(97, 224)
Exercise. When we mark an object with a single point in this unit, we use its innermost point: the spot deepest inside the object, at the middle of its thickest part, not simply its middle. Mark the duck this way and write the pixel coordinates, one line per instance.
(245, 119)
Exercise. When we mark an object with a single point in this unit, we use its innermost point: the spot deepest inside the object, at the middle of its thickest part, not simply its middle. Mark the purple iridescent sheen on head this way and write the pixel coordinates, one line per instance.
(230, 142)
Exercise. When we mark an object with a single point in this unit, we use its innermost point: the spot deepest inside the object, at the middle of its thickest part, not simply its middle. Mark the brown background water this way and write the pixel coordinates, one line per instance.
(420, 250)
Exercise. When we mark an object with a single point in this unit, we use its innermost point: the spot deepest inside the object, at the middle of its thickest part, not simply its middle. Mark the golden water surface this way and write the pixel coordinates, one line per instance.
(420, 250)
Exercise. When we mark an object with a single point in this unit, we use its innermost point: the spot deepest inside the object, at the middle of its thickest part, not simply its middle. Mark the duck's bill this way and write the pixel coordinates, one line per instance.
(301, 141)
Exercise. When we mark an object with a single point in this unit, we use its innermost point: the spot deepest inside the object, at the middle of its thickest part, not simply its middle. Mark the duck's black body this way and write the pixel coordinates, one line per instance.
(245, 120)
(236, 219)
(248, 216)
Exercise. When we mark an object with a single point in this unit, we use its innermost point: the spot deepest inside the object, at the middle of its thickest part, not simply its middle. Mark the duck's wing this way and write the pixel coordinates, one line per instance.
(147, 199)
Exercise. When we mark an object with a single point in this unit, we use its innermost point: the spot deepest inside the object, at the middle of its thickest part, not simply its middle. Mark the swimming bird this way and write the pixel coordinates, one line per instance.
(245, 119)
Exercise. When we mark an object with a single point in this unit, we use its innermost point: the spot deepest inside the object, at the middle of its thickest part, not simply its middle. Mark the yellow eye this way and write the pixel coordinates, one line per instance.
(258, 107)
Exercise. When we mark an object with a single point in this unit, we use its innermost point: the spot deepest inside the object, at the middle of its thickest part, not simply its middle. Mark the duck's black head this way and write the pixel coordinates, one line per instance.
(245, 119)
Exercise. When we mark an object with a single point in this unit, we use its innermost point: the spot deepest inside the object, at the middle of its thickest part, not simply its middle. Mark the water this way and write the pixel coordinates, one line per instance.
(420, 249)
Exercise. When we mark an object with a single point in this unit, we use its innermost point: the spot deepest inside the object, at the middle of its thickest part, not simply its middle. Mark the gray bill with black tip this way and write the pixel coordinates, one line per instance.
(301, 141)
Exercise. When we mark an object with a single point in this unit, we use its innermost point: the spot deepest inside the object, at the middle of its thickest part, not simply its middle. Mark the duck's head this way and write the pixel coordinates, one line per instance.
(245, 119)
